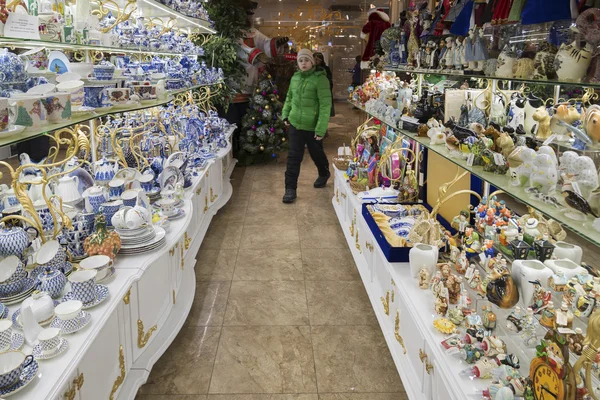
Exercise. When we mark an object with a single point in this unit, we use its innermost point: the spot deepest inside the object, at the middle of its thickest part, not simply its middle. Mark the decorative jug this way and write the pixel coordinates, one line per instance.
(94, 197)
(68, 190)
(35, 190)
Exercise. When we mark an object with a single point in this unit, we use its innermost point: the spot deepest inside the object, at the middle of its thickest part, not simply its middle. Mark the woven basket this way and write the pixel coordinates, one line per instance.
(342, 162)
(357, 187)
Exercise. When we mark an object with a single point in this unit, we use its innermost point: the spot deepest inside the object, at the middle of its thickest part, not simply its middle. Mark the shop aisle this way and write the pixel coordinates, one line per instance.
(280, 311)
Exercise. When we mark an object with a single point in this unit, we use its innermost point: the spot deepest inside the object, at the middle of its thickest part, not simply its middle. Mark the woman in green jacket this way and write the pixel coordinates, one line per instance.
(306, 111)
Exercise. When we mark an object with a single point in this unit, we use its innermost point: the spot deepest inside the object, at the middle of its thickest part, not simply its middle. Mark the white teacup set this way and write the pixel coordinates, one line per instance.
(16, 371)
(130, 218)
(70, 317)
(102, 264)
(50, 344)
(85, 289)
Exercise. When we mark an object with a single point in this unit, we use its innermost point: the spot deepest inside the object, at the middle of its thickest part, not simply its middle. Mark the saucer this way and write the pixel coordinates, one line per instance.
(179, 214)
(39, 354)
(72, 325)
(101, 295)
(13, 130)
(17, 321)
(16, 342)
(82, 110)
(110, 271)
(27, 375)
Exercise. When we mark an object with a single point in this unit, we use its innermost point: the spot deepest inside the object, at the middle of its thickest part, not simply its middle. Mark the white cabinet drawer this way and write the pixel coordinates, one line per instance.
(215, 181)
(104, 366)
(413, 340)
(151, 301)
(70, 391)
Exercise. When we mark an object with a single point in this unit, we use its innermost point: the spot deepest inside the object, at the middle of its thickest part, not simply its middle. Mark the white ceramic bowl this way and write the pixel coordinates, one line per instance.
(69, 309)
(95, 262)
(68, 76)
(42, 90)
(82, 69)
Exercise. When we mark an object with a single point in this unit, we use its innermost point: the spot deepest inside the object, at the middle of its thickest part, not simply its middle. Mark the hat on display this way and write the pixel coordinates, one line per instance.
(379, 12)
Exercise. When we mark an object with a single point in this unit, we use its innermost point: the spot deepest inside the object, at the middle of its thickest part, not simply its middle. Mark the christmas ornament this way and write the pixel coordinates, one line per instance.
(257, 90)
(272, 129)
(260, 122)
(269, 76)
(282, 139)
(264, 93)
(253, 127)
(267, 107)
(274, 91)
(253, 118)
(262, 148)
(273, 155)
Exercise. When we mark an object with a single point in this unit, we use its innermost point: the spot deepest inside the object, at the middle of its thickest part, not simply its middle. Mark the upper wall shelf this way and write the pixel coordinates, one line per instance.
(153, 8)
(459, 75)
(503, 182)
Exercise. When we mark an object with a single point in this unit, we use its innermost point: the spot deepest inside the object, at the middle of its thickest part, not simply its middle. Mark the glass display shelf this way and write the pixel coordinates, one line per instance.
(456, 74)
(503, 182)
(153, 8)
(31, 133)
(31, 44)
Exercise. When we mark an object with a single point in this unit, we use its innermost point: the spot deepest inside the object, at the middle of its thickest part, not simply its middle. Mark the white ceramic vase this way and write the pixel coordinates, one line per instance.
(422, 256)
(569, 251)
(525, 271)
(567, 266)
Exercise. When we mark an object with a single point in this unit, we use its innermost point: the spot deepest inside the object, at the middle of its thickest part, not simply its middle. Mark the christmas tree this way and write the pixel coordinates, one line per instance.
(263, 133)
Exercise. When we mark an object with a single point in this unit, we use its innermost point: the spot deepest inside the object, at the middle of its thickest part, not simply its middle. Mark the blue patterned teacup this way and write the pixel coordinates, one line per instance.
(83, 285)
(13, 363)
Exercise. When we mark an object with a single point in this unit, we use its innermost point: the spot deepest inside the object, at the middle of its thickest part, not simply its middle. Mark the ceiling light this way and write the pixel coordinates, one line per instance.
(301, 13)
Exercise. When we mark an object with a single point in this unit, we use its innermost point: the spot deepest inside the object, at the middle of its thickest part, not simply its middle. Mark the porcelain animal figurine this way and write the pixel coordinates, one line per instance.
(523, 68)
(449, 55)
(521, 175)
(567, 114)
(544, 176)
(586, 175)
(571, 62)
(506, 61)
(591, 123)
(543, 63)
(505, 144)
(542, 117)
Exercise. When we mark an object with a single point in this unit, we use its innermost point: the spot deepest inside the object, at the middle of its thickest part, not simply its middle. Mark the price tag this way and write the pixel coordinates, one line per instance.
(561, 318)
(470, 159)
(566, 331)
(499, 159)
(551, 139)
(470, 272)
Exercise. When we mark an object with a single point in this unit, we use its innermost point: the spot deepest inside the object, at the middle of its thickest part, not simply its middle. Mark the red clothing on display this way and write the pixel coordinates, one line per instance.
(378, 22)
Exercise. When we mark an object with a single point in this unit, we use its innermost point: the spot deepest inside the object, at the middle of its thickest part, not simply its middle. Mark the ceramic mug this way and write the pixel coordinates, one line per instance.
(58, 106)
(44, 89)
(93, 96)
(135, 218)
(5, 334)
(83, 285)
(167, 194)
(75, 88)
(49, 339)
(109, 209)
(118, 220)
(130, 197)
(147, 182)
(167, 206)
(117, 95)
(27, 111)
(35, 59)
(3, 113)
(146, 92)
(70, 309)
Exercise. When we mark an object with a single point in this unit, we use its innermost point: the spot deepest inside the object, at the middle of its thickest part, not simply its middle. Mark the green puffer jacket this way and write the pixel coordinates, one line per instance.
(308, 102)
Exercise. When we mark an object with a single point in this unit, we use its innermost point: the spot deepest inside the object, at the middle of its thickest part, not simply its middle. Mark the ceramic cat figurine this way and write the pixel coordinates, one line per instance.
(543, 63)
(572, 62)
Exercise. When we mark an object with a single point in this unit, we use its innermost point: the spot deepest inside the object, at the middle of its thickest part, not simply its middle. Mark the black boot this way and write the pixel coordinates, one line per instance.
(321, 181)
(289, 196)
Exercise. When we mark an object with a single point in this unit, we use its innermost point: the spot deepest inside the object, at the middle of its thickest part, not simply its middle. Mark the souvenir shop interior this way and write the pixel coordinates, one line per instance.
(145, 252)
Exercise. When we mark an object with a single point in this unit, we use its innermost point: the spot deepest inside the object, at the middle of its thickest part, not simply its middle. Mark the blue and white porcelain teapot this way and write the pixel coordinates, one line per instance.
(14, 240)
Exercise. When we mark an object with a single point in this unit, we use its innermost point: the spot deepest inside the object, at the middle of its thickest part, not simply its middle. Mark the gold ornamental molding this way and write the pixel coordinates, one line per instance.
(121, 378)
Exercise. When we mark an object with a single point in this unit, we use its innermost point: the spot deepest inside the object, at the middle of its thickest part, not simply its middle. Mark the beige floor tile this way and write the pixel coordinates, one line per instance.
(364, 396)
(339, 303)
(269, 265)
(267, 201)
(267, 303)
(215, 265)
(270, 186)
(186, 366)
(325, 236)
(284, 215)
(270, 236)
(209, 304)
(263, 397)
(329, 265)
(222, 236)
(316, 214)
(353, 359)
(232, 213)
(264, 359)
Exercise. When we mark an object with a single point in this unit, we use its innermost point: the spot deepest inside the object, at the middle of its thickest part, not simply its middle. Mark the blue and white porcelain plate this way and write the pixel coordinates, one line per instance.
(27, 375)
(38, 353)
(101, 295)
(73, 325)
(28, 287)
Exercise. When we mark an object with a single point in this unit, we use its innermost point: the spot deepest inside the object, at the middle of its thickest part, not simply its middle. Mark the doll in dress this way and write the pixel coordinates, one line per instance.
(480, 54)
(469, 43)
(449, 57)
(459, 53)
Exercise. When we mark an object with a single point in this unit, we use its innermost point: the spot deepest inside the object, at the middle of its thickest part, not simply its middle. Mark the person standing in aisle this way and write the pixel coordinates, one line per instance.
(356, 72)
(306, 111)
(320, 64)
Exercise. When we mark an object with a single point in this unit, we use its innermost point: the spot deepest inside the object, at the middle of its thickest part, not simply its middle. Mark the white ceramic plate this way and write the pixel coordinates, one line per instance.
(13, 130)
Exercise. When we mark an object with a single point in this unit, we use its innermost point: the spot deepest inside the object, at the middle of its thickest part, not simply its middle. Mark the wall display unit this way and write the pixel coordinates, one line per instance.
(464, 197)
(98, 238)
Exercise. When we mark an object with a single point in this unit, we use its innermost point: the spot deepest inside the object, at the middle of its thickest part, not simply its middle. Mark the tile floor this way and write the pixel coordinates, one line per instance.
(280, 312)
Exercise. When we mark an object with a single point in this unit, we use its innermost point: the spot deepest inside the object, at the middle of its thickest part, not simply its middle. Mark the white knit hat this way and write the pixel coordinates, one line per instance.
(306, 53)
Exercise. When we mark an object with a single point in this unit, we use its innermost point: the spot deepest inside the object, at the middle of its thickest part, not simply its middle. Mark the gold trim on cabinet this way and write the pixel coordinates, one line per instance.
(357, 244)
(70, 395)
(173, 296)
(397, 331)
(172, 251)
(143, 338)
(182, 259)
(353, 223)
(121, 378)
(428, 368)
(205, 204)
(79, 381)
(127, 296)
(187, 240)
(386, 303)
(393, 295)
(369, 246)
(337, 196)
(198, 191)
(343, 195)
(422, 355)
(212, 197)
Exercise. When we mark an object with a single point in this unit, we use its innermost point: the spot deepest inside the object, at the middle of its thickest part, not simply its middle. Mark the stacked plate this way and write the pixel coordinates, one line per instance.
(133, 237)
(15, 298)
(136, 246)
(153, 195)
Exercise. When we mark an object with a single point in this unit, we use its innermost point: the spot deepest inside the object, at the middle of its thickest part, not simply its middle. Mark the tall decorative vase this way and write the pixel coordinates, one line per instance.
(422, 256)
(82, 13)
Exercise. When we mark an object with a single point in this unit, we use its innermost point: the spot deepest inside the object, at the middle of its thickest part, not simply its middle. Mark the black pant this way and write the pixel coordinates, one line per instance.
(298, 139)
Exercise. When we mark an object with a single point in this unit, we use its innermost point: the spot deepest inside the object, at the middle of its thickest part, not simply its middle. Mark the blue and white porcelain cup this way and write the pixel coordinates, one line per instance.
(93, 96)
(75, 88)
(12, 362)
(109, 209)
(147, 182)
(52, 255)
(49, 339)
(130, 197)
(116, 187)
(83, 285)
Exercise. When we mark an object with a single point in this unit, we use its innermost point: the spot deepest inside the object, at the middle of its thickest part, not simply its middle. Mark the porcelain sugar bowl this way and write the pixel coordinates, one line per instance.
(52, 281)
(41, 305)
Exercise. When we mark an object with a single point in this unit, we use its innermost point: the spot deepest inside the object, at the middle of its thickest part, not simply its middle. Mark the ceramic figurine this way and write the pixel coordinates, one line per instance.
(470, 354)
(464, 302)
(564, 316)
(506, 61)
(449, 55)
(424, 278)
(576, 341)
(567, 114)
(542, 118)
(577, 203)
(462, 263)
(453, 284)
(572, 62)
(502, 290)
(541, 296)
(482, 369)
(435, 284)
(489, 318)
(548, 316)
(492, 346)
(459, 54)
(456, 316)
(423, 256)
(441, 302)
(475, 280)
